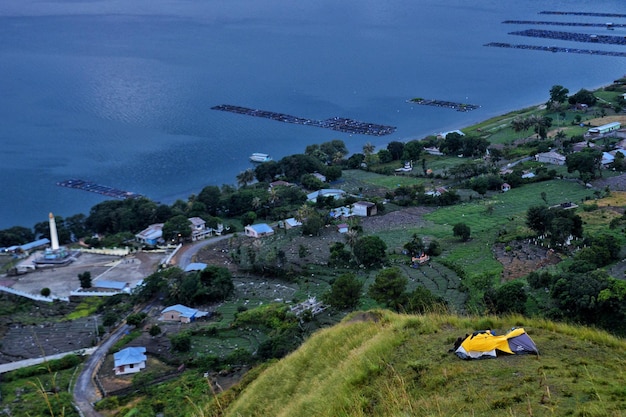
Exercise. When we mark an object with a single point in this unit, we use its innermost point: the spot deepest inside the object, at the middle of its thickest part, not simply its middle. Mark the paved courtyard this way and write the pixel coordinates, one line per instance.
(62, 280)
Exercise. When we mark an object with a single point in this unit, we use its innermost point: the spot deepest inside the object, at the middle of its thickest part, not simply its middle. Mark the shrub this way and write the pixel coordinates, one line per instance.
(45, 292)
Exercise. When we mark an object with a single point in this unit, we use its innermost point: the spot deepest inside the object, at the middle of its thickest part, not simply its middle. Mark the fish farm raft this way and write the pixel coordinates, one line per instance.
(98, 189)
(340, 124)
(556, 49)
(446, 104)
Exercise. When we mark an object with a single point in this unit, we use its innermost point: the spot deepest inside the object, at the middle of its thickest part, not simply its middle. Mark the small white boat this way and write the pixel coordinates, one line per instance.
(260, 157)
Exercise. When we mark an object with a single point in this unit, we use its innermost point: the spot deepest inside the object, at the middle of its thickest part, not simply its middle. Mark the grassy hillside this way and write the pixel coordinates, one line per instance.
(383, 364)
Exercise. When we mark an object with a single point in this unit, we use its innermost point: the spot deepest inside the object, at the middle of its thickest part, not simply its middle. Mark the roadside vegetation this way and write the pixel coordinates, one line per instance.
(447, 241)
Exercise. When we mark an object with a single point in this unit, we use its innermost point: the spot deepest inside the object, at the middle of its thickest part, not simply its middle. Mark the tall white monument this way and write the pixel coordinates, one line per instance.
(55, 254)
(54, 236)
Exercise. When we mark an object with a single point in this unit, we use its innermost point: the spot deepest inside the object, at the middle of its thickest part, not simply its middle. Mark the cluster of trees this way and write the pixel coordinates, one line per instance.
(390, 289)
(539, 124)
(407, 195)
(467, 146)
(212, 284)
(592, 298)
(557, 224)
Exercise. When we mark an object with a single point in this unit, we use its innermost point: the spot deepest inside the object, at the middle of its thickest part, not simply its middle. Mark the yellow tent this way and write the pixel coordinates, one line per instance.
(485, 344)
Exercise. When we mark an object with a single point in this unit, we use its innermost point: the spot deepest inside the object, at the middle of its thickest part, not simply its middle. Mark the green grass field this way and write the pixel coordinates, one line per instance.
(383, 364)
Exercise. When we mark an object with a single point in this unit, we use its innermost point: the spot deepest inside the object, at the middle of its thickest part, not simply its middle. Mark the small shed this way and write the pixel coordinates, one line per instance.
(364, 209)
(292, 222)
(258, 230)
(342, 228)
(195, 266)
(130, 360)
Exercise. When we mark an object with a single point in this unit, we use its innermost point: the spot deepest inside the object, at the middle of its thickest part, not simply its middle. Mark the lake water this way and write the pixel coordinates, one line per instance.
(119, 92)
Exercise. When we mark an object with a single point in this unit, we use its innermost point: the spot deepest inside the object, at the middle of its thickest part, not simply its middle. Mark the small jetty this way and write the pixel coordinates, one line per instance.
(98, 189)
(340, 124)
(571, 36)
(446, 104)
(556, 49)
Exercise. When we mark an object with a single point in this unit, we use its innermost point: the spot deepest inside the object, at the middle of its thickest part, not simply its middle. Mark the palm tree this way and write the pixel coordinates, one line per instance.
(351, 237)
(256, 203)
(303, 212)
(245, 177)
(273, 196)
(368, 148)
(519, 124)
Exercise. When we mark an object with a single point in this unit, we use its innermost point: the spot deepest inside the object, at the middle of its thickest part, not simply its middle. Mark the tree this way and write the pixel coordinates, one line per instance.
(368, 148)
(582, 97)
(248, 218)
(462, 230)
(155, 330)
(210, 196)
(245, 177)
(415, 247)
(85, 279)
(312, 225)
(558, 95)
(344, 293)
(539, 218)
(370, 250)
(421, 300)
(217, 282)
(16, 235)
(388, 288)
(540, 124)
(586, 162)
(412, 150)
(181, 342)
(396, 149)
(177, 228)
(136, 319)
(508, 298)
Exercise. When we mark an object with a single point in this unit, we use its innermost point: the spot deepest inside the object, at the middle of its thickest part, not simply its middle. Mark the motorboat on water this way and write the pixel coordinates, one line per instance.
(260, 157)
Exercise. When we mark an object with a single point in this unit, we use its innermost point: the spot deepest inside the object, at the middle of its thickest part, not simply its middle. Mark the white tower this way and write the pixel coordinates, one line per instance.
(54, 237)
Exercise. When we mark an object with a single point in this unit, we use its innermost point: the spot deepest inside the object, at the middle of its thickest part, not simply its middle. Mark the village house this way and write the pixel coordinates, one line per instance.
(130, 360)
(152, 235)
(551, 157)
(326, 192)
(258, 230)
(198, 229)
(181, 313)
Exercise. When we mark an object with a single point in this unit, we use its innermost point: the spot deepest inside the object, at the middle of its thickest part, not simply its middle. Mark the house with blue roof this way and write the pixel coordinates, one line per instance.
(181, 313)
(130, 360)
(152, 235)
(258, 230)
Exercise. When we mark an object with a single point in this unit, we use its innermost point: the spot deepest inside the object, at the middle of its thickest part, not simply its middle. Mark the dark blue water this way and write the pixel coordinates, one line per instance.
(119, 92)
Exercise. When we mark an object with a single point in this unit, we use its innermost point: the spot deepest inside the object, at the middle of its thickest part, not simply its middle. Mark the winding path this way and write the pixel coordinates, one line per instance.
(85, 392)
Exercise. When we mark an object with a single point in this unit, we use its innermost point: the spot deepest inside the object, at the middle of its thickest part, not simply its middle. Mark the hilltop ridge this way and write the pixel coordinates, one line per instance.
(387, 364)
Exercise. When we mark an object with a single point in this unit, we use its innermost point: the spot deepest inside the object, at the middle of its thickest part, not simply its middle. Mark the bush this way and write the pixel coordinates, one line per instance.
(45, 292)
